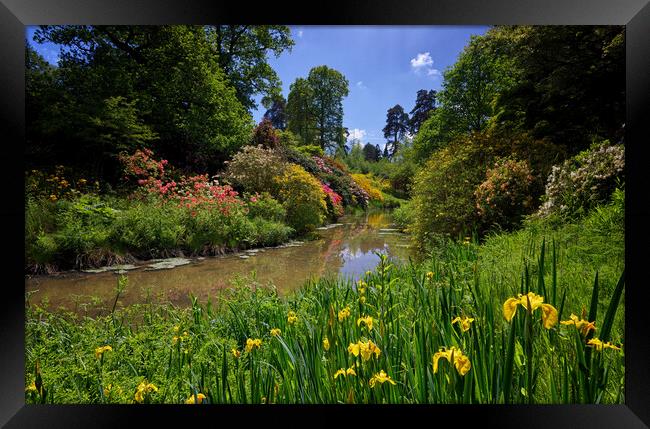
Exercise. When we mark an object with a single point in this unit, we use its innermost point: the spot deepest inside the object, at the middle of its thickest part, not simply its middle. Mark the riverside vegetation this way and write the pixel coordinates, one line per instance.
(515, 205)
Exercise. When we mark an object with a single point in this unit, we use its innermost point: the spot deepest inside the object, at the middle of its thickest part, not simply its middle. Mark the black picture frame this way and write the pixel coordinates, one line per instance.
(15, 15)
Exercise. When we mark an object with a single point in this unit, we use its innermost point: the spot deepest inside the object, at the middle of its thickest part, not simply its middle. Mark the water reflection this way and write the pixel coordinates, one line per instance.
(347, 250)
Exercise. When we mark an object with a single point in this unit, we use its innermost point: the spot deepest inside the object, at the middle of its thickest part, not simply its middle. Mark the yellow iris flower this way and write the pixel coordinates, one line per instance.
(464, 322)
(366, 320)
(143, 389)
(345, 372)
(345, 313)
(326, 344)
(253, 344)
(198, 399)
(380, 377)
(582, 325)
(236, 353)
(429, 276)
(292, 318)
(99, 351)
(366, 350)
(599, 345)
(275, 332)
(531, 302)
(455, 356)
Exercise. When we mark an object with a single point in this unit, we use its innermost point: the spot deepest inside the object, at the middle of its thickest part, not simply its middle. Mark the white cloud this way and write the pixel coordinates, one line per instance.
(356, 134)
(422, 61)
(360, 85)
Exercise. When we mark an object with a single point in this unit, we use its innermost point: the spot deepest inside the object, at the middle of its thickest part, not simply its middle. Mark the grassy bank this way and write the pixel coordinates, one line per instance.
(387, 339)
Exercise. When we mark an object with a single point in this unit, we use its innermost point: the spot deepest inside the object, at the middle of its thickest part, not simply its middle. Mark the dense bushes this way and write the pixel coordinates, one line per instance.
(303, 198)
(584, 181)
(253, 169)
(504, 197)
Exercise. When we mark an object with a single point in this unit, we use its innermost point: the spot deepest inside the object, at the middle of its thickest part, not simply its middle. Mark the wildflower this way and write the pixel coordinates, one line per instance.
(195, 399)
(275, 332)
(531, 302)
(380, 377)
(362, 300)
(367, 320)
(326, 344)
(53, 198)
(176, 328)
(368, 273)
(236, 353)
(99, 351)
(292, 318)
(344, 313)
(430, 276)
(143, 389)
(251, 344)
(107, 390)
(582, 325)
(599, 345)
(366, 350)
(455, 356)
(465, 322)
(31, 388)
(345, 372)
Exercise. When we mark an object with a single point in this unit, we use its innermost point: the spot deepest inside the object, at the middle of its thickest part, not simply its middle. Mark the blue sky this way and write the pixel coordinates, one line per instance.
(385, 65)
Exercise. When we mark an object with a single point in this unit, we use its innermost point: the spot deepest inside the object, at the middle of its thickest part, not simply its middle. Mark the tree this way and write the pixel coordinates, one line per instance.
(396, 127)
(425, 103)
(300, 115)
(164, 78)
(276, 113)
(328, 87)
(371, 153)
(265, 135)
(378, 151)
(242, 54)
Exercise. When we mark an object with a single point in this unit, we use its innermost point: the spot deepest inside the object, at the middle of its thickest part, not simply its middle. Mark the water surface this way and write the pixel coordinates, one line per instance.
(346, 249)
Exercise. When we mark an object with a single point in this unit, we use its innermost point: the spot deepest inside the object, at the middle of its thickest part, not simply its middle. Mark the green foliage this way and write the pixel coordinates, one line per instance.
(266, 207)
(443, 190)
(311, 150)
(403, 216)
(302, 197)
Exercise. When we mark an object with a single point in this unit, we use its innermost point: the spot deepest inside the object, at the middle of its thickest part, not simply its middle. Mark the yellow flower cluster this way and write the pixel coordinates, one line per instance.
(143, 390)
(253, 344)
(365, 349)
(326, 344)
(236, 353)
(362, 290)
(465, 323)
(292, 317)
(366, 320)
(275, 332)
(582, 325)
(31, 388)
(345, 313)
(430, 276)
(454, 356)
(180, 338)
(345, 372)
(599, 345)
(380, 377)
(196, 399)
(99, 351)
(531, 302)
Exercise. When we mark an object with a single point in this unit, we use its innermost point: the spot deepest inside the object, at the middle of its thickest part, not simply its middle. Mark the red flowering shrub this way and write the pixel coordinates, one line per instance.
(334, 201)
(505, 195)
(265, 135)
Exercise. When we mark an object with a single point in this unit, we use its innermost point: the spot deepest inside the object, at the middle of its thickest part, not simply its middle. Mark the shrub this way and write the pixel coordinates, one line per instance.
(504, 197)
(443, 190)
(270, 233)
(265, 135)
(403, 216)
(401, 179)
(366, 183)
(584, 181)
(311, 150)
(334, 202)
(302, 197)
(253, 169)
(266, 207)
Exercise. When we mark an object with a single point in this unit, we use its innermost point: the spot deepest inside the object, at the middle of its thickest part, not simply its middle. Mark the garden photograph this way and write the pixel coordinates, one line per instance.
(295, 214)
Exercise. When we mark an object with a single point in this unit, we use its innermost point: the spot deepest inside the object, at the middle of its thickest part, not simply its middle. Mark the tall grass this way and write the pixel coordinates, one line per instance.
(202, 349)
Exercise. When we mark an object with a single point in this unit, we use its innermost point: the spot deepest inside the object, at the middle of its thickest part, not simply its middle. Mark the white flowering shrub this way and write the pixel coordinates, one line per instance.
(584, 181)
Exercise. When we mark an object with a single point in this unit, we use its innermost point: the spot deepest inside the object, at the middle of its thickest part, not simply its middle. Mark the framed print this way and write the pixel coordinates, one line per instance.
(366, 209)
